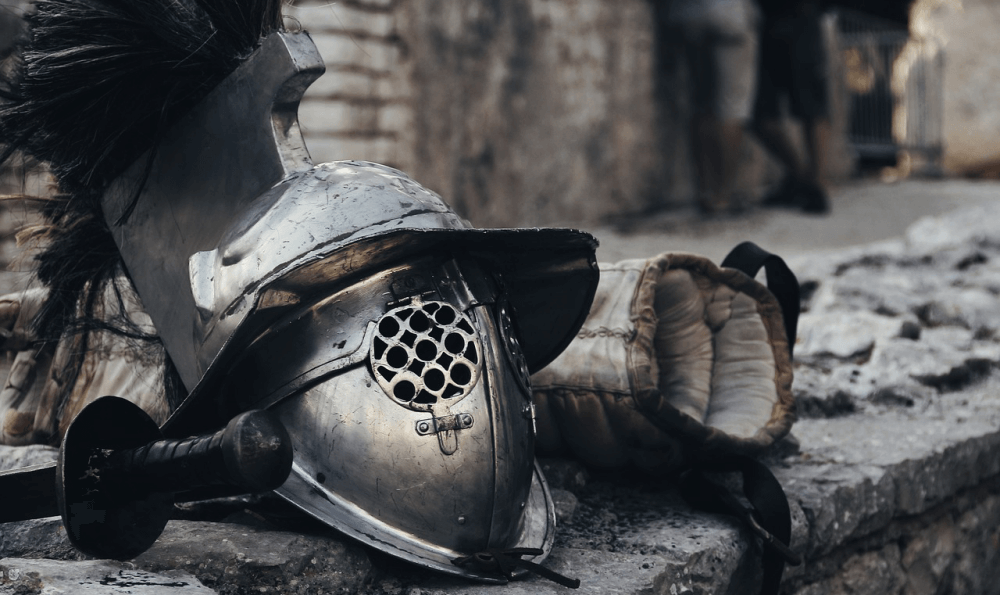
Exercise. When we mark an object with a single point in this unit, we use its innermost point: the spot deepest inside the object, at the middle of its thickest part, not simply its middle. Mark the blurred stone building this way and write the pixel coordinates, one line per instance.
(530, 112)
(526, 112)
(967, 32)
(516, 111)
(519, 112)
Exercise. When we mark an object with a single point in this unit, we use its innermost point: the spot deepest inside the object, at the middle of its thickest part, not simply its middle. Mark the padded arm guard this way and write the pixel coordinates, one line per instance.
(678, 359)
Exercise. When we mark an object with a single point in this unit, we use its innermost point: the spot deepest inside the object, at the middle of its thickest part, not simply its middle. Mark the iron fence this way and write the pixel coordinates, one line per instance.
(893, 89)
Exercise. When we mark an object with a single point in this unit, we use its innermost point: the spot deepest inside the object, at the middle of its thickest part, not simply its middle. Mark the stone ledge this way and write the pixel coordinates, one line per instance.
(92, 577)
(894, 485)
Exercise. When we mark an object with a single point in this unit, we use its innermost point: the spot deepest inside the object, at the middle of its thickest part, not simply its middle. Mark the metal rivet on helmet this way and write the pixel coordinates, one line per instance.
(513, 346)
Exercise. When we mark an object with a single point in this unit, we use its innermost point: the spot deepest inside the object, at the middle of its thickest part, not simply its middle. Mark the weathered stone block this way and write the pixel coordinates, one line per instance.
(565, 504)
(356, 19)
(927, 557)
(341, 84)
(339, 117)
(529, 110)
(372, 54)
(600, 573)
(37, 538)
(235, 558)
(15, 457)
(92, 577)
(395, 118)
(843, 335)
(976, 567)
(971, 120)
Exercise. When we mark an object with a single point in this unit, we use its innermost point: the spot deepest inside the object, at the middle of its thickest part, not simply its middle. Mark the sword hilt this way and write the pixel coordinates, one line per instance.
(252, 453)
(117, 476)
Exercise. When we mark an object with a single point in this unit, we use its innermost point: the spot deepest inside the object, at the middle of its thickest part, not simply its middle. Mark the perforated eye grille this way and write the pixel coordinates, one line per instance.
(518, 361)
(425, 353)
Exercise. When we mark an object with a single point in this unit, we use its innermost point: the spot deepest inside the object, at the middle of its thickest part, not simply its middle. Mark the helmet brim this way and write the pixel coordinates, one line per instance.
(549, 277)
(538, 528)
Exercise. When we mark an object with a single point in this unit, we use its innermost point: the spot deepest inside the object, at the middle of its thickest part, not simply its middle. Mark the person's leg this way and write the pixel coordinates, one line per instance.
(717, 148)
(817, 131)
(805, 181)
(730, 155)
(768, 121)
(814, 195)
(705, 149)
(809, 103)
(773, 135)
(734, 56)
(792, 66)
(705, 125)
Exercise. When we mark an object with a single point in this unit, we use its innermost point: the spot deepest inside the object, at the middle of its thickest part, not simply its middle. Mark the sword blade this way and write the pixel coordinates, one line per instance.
(28, 493)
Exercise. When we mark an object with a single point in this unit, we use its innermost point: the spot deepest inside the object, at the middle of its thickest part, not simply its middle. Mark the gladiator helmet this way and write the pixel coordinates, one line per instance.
(394, 340)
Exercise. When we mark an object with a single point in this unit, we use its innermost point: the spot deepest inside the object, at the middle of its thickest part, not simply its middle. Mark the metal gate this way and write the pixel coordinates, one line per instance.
(893, 87)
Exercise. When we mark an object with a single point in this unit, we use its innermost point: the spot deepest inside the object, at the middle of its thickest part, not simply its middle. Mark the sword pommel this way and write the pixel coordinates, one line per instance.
(117, 477)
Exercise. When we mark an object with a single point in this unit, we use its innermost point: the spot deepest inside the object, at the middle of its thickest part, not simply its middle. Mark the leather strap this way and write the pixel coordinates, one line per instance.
(768, 515)
(749, 258)
(503, 562)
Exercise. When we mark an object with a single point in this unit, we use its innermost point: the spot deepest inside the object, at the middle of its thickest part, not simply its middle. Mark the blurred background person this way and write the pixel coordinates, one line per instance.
(719, 40)
(11, 25)
(792, 71)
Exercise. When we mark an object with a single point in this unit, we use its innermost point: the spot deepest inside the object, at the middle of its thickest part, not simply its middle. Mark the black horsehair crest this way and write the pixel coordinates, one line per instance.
(95, 85)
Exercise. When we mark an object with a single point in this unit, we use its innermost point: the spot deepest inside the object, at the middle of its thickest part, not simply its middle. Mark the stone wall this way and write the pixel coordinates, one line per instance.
(518, 112)
(359, 109)
(523, 111)
(534, 111)
(967, 31)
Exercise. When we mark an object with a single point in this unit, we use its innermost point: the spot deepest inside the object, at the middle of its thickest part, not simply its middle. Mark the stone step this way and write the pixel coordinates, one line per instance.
(93, 577)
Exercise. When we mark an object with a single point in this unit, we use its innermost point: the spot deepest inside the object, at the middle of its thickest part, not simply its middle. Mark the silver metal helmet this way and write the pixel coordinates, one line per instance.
(394, 341)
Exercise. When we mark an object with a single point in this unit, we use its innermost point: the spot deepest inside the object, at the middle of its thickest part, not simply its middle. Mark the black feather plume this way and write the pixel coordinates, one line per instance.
(96, 84)
(100, 79)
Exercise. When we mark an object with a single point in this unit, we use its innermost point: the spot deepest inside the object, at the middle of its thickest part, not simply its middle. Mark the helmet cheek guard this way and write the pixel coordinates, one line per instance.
(418, 438)
(394, 341)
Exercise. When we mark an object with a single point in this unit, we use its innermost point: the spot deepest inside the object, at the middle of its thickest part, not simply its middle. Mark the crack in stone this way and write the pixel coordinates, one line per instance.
(959, 377)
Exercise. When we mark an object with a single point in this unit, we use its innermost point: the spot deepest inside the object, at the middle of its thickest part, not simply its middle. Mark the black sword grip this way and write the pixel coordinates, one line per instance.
(252, 453)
